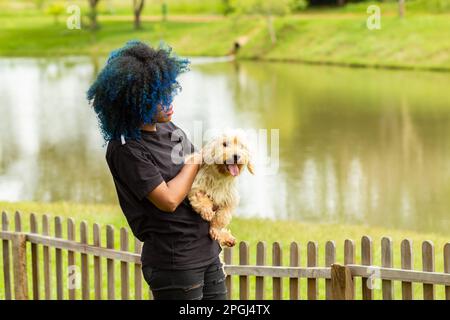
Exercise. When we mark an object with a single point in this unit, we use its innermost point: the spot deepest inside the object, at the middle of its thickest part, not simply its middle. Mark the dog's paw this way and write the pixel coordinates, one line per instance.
(229, 242)
(207, 214)
(214, 233)
(227, 239)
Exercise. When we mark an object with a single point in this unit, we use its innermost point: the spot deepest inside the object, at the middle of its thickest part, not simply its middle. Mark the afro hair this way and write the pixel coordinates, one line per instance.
(135, 80)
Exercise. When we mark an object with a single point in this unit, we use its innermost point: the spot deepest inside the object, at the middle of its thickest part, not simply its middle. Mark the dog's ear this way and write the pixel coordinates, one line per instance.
(251, 168)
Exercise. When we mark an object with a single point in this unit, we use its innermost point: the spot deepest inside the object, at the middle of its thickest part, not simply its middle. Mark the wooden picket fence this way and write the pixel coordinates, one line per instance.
(339, 278)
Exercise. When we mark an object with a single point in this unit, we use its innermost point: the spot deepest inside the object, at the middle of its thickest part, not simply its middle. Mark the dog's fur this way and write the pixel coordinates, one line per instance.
(214, 195)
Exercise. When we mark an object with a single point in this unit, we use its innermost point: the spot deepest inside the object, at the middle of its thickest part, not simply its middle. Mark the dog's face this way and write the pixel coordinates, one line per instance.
(228, 154)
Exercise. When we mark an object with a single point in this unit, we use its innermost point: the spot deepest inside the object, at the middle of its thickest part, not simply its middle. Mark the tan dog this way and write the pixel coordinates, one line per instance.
(214, 195)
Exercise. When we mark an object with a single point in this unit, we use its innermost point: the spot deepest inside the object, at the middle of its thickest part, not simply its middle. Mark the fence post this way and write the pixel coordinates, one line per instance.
(330, 259)
(6, 259)
(19, 266)
(447, 267)
(428, 265)
(260, 261)
(312, 259)
(366, 260)
(228, 260)
(341, 282)
(244, 284)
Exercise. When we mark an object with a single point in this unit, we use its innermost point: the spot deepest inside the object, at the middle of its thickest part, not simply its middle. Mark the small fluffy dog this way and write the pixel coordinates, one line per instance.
(213, 194)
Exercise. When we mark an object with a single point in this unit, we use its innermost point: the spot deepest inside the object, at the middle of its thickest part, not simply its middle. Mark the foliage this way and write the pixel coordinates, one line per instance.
(298, 5)
(228, 7)
(56, 9)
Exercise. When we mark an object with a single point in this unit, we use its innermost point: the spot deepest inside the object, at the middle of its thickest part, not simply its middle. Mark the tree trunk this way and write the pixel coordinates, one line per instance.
(401, 8)
(138, 6)
(273, 36)
(93, 13)
(340, 2)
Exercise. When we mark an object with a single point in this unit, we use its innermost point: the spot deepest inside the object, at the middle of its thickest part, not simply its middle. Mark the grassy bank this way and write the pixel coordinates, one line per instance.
(334, 36)
(252, 231)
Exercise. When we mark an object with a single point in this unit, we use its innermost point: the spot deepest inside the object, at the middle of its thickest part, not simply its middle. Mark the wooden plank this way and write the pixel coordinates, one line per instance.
(58, 261)
(97, 263)
(341, 283)
(261, 260)
(428, 265)
(294, 283)
(137, 271)
(330, 259)
(82, 248)
(19, 254)
(6, 259)
(46, 259)
(367, 260)
(110, 263)
(312, 259)
(124, 272)
(357, 271)
(85, 287)
(228, 259)
(402, 275)
(277, 260)
(387, 261)
(72, 274)
(407, 264)
(244, 286)
(34, 258)
(279, 272)
(447, 268)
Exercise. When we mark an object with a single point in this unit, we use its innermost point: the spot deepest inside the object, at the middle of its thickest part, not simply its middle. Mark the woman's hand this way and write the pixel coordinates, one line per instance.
(168, 196)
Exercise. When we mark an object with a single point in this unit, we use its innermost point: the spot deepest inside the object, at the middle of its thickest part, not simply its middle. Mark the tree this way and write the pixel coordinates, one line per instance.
(227, 7)
(93, 13)
(56, 9)
(269, 9)
(401, 8)
(340, 2)
(138, 6)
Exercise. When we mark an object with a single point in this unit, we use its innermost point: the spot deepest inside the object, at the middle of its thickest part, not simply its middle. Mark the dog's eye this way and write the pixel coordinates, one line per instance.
(224, 144)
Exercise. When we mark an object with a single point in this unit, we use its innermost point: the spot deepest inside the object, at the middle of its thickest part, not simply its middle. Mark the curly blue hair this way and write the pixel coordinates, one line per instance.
(135, 80)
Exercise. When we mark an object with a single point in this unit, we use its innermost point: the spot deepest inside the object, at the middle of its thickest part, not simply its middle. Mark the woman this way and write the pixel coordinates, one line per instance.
(132, 97)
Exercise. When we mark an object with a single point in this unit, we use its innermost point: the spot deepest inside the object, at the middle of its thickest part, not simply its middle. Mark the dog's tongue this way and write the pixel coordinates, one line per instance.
(233, 168)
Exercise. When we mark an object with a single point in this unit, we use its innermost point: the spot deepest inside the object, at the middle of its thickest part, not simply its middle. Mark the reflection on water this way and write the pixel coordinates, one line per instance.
(356, 146)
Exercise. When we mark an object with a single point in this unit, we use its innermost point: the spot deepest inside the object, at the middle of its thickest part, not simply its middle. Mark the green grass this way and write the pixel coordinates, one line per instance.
(252, 231)
(40, 36)
(415, 42)
(333, 36)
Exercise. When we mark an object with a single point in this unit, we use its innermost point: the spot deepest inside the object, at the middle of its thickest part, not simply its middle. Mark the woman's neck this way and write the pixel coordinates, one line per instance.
(149, 127)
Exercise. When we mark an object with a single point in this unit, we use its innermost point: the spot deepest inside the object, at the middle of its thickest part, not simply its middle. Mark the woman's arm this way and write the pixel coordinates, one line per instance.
(168, 195)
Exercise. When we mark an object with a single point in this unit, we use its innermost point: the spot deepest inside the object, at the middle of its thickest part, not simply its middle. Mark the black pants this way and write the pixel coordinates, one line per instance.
(207, 283)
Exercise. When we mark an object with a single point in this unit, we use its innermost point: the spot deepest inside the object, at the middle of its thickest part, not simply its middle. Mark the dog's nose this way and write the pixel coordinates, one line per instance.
(236, 157)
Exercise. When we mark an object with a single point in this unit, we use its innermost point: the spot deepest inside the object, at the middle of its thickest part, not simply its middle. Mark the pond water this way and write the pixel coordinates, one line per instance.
(359, 146)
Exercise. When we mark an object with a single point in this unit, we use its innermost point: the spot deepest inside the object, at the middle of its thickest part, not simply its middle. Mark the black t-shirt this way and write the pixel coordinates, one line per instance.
(178, 240)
